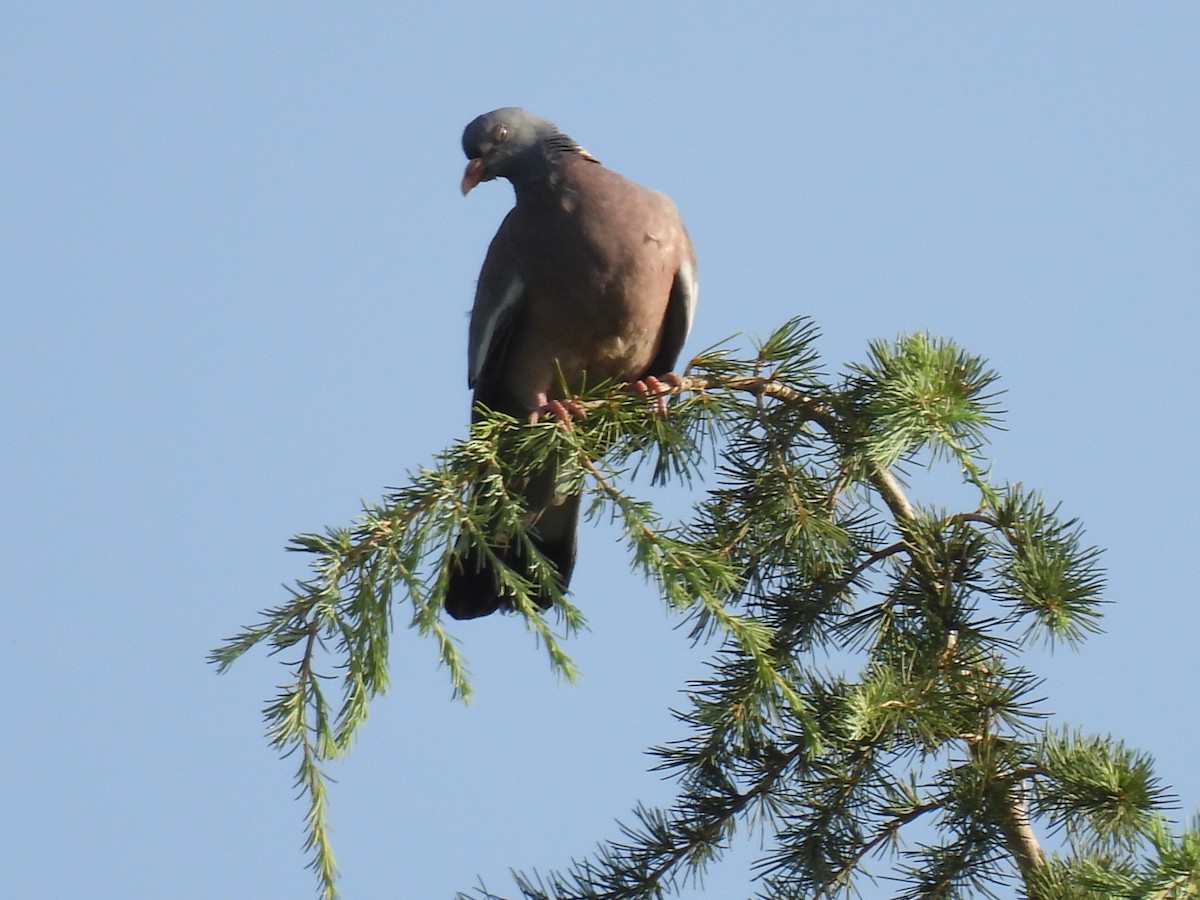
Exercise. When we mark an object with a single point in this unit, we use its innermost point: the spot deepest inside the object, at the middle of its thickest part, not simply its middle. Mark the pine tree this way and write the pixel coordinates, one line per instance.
(868, 681)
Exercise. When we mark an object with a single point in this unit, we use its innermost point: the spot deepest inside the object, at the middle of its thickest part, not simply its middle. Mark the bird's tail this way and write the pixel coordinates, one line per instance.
(473, 589)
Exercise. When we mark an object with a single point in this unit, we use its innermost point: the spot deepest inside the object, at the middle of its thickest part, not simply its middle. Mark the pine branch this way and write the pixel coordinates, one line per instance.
(1018, 832)
(810, 545)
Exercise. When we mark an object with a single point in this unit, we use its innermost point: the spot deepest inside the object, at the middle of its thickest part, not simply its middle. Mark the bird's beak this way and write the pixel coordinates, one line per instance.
(472, 176)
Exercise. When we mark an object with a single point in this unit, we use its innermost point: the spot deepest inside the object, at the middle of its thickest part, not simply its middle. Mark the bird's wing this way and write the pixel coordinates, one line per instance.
(681, 309)
(499, 297)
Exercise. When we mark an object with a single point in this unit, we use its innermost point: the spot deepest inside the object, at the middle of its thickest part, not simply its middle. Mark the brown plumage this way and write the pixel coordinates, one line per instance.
(590, 277)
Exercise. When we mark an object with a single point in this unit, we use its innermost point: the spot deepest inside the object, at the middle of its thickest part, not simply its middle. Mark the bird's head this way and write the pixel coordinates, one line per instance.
(511, 143)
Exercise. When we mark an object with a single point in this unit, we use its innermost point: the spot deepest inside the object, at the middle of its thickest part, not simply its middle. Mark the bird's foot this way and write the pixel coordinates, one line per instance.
(565, 411)
(657, 389)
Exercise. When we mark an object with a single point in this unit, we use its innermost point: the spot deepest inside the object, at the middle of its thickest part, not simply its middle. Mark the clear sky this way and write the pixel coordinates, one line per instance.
(235, 268)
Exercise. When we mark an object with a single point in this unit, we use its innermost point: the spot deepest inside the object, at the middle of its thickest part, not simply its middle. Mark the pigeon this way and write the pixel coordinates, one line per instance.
(590, 277)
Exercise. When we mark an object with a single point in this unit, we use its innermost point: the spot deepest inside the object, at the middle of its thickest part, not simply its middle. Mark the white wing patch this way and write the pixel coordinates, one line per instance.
(691, 290)
(487, 328)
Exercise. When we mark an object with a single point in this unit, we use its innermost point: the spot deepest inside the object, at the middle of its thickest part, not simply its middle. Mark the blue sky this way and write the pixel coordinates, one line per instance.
(235, 275)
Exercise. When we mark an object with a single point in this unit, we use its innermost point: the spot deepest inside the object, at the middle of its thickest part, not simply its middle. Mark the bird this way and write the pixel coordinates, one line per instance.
(590, 277)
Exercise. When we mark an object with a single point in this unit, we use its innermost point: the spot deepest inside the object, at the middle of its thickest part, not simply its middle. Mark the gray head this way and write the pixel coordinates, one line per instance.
(512, 143)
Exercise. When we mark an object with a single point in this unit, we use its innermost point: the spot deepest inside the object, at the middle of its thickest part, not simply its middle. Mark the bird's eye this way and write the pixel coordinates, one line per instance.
(500, 133)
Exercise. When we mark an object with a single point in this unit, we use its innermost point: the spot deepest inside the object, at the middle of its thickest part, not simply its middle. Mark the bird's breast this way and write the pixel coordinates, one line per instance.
(598, 261)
